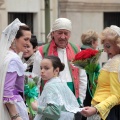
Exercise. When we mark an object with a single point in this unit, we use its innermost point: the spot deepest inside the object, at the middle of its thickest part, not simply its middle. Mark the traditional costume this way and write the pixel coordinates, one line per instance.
(107, 96)
(57, 102)
(29, 61)
(107, 93)
(11, 74)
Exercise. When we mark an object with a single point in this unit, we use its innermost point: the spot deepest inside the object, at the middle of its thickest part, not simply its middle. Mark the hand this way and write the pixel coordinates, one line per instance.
(88, 111)
(18, 118)
(34, 105)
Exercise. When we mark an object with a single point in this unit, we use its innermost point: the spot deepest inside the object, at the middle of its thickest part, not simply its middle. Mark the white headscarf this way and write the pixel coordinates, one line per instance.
(60, 23)
(116, 29)
(8, 35)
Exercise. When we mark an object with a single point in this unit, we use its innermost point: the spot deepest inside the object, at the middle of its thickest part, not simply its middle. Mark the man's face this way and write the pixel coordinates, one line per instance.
(61, 37)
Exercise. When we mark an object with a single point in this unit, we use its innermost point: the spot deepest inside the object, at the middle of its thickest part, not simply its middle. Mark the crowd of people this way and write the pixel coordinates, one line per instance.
(64, 89)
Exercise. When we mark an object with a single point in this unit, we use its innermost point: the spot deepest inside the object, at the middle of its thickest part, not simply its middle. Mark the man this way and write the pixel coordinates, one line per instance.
(59, 46)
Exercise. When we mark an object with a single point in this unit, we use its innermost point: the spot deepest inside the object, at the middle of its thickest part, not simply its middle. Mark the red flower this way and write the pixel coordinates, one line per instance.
(30, 76)
(88, 59)
(84, 54)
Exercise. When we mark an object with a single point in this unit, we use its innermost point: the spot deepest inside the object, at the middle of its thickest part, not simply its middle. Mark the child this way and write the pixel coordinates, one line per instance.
(57, 102)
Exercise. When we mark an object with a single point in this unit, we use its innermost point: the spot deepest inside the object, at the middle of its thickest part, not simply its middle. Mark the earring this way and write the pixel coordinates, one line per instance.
(55, 75)
(14, 45)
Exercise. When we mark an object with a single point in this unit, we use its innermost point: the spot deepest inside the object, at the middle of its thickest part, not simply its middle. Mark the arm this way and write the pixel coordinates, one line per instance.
(83, 85)
(113, 99)
(13, 111)
(51, 111)
(8, 96)
(106, 105)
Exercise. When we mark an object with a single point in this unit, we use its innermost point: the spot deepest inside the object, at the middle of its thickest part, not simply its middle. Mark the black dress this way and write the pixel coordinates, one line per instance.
(114, 113)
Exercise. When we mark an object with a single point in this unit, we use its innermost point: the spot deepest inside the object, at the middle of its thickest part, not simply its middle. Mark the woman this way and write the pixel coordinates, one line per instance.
(29, 54)
(57, 102)
(14, 39)
(106, 99)
(89, 40)
(28, 58)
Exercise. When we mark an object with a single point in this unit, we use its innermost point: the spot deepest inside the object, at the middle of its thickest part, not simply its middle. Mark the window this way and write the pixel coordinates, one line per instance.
(111, 18)
(26, 18)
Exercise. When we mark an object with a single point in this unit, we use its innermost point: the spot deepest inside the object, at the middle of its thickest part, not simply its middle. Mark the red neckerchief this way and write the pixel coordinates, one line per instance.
(53, 50)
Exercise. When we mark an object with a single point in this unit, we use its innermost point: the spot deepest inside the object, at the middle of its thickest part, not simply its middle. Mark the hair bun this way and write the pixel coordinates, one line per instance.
(62, 66)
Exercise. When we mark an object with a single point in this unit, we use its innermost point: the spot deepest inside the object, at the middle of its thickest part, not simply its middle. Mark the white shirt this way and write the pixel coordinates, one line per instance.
(65, 74)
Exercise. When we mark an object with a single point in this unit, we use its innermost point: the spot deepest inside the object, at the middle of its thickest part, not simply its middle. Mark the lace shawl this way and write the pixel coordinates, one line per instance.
(113, 65)
(58, 93)
(29, 62)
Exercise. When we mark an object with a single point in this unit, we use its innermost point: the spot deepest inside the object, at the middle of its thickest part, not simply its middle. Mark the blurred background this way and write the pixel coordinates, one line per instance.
(40, 14)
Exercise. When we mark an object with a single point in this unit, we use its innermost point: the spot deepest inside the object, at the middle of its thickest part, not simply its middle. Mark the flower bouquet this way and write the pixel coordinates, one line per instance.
(31, 91)
(88, 60)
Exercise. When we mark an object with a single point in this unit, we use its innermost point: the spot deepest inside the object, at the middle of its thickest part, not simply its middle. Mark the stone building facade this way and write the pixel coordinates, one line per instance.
(32, 12)
(84, 14)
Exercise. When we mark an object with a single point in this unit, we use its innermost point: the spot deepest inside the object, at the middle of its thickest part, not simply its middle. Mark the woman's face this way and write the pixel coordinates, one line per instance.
(21, 43)
(95, 44)
(29, 51)
(111, 49)
(47, 70)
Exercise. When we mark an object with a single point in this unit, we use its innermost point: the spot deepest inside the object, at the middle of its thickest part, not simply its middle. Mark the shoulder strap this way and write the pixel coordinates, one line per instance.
(75, 47)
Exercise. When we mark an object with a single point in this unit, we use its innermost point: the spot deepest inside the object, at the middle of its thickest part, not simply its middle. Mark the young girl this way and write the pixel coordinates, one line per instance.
(56, 102)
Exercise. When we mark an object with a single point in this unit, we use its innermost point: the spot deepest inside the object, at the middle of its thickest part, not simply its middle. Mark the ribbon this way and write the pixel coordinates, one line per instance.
(31, 94)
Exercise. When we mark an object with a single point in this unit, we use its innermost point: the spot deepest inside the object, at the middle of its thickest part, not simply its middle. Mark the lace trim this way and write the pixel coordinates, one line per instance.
(11, 100)
(113, 65)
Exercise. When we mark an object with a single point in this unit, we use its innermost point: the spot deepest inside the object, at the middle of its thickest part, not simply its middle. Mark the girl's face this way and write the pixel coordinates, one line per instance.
(29, 51)
(22, 42)
(47, 70)
(111, 49)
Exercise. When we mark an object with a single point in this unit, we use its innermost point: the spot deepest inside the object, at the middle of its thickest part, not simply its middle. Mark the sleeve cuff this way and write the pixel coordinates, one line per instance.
(11, 100)
(40, 110)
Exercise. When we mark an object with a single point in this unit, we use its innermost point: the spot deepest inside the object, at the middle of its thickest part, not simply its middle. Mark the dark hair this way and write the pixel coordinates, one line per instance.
(56, 62)
(33, 41)
(21, 28)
